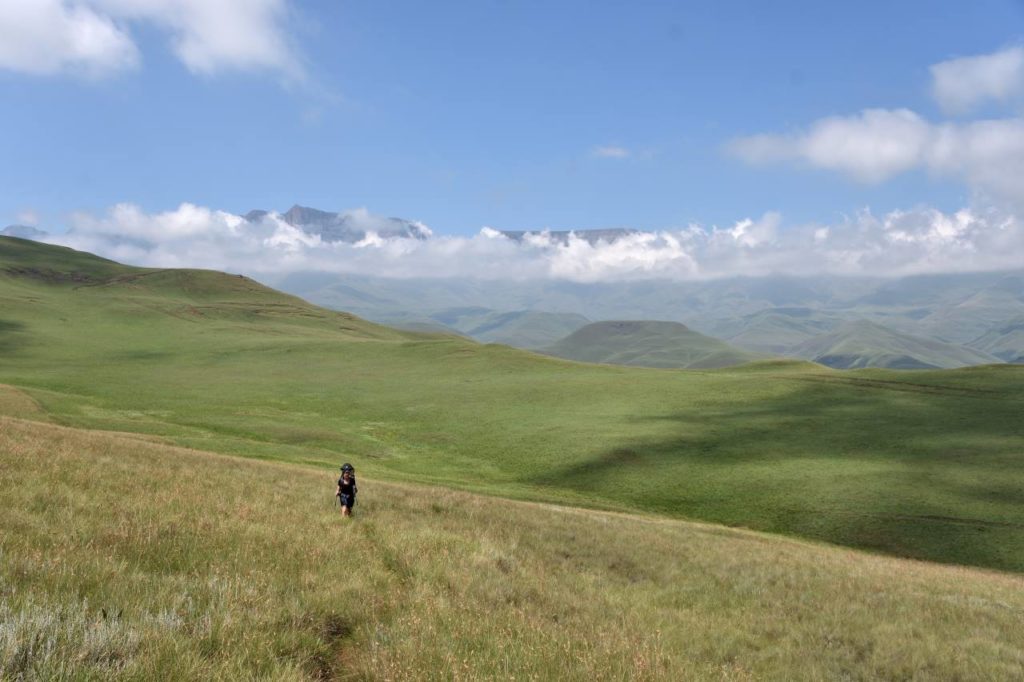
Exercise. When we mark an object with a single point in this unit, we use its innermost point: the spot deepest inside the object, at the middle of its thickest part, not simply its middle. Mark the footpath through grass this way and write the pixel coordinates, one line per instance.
(127, 559)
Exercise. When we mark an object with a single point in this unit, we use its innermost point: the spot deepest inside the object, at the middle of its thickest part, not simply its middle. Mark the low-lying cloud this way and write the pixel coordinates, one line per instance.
(922, 240)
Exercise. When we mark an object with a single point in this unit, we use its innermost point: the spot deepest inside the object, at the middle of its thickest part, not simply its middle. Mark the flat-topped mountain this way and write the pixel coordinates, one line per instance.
(647, 344)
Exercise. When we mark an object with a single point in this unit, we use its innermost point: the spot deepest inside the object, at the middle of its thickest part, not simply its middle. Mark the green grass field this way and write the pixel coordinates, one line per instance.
(925, 464)
(126, 559)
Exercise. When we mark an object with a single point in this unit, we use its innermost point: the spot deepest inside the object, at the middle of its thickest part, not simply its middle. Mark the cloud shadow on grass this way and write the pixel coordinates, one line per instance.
(931, 475)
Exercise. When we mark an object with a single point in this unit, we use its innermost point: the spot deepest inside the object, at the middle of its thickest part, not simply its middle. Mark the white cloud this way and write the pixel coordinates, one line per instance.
(215, 35)
(899, 243)
(91, 36)
(870, 147)
(611, 152)
(878, 144)
(45, 37)
(961, 84)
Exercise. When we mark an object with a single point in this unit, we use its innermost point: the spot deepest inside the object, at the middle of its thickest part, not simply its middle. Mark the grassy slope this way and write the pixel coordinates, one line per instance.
(866, 344)
(127, 559)
(647, 344)
(926, 465)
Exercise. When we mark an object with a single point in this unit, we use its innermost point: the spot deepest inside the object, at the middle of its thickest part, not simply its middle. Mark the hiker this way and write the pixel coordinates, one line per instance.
(346, 492)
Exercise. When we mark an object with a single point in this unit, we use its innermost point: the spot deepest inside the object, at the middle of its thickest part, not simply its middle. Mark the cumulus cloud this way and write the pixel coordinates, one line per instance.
(92, 36)
(45, 37)
(959, 85)
(898, 243)
(871, 146)
(878, 144)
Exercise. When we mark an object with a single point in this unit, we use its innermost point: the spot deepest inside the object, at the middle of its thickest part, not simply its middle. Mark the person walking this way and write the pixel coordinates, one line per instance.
(346, 492)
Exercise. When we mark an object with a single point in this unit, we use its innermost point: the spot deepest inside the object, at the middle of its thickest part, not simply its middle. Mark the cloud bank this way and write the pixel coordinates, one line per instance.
(899, 243)
(93, 37)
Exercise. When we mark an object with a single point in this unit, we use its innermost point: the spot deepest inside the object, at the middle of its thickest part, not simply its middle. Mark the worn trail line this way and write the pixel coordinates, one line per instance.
(904, 386)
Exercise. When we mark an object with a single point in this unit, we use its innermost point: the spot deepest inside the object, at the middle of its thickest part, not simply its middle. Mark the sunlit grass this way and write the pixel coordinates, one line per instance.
(127, 559)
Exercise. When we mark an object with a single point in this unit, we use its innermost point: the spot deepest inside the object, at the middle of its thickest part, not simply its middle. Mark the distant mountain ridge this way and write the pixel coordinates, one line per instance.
(765, 314)
(866, 344)
(23, 232)
(769, 314)
(351, 228)
(345, 227)
(592, 237)
(1004, 341)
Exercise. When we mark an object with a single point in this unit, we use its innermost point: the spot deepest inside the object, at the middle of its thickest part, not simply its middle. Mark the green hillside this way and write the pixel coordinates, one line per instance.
(126, 559)
(866, 344)
(647, 344)
(924, 464)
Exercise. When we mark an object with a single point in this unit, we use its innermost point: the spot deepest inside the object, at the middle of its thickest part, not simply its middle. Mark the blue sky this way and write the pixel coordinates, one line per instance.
(492, 112)
(741, 137)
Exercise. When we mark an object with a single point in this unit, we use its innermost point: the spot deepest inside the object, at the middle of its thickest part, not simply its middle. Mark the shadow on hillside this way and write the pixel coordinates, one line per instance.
(10, 336)
(923, 475)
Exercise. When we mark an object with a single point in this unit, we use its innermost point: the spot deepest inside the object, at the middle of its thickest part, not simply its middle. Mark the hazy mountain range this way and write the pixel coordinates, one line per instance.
(974, 318)
(942, 320)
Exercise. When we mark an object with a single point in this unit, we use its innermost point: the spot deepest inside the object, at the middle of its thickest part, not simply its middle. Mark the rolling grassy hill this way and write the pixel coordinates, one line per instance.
(925, 464)
(866, 344)
(127, 559)
(647, 344)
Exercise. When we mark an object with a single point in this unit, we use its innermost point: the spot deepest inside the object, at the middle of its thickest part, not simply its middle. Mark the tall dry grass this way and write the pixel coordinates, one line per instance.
(127, 559)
